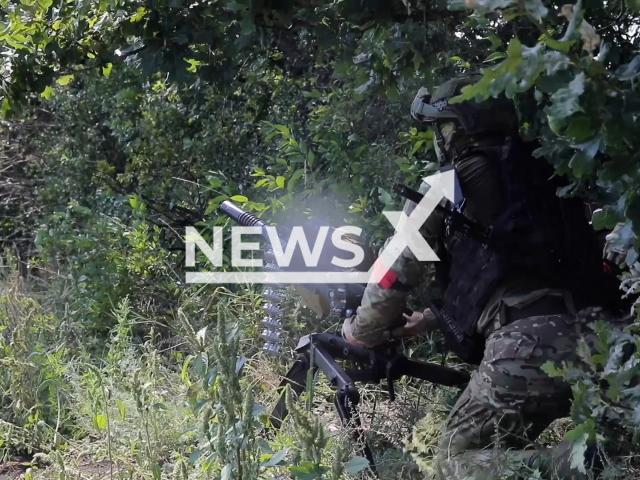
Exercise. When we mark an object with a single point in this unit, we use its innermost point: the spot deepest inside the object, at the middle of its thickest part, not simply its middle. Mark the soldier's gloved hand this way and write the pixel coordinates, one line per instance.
(618, 243)
(347, 332)
(369, 338)
(417, 323)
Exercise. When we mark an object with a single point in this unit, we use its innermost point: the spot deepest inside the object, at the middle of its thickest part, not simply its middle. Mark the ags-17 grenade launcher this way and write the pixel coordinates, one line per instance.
(343, 364)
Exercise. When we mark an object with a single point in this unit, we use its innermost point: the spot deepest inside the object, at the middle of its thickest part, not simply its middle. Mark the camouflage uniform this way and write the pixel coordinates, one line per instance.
(509, 400)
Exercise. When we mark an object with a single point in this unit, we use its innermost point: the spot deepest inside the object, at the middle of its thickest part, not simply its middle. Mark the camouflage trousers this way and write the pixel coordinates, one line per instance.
(510, 400)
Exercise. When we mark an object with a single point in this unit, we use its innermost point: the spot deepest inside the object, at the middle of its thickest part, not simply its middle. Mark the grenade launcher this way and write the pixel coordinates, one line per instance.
(342, 363)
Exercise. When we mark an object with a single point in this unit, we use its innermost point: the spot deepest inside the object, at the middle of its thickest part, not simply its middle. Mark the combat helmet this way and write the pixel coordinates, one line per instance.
(490, 117)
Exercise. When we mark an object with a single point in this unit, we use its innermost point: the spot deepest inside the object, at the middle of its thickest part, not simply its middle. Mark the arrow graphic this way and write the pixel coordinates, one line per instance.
(442, 184)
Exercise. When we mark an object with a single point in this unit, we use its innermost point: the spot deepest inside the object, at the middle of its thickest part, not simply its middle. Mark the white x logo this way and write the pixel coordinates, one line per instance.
(408, 227)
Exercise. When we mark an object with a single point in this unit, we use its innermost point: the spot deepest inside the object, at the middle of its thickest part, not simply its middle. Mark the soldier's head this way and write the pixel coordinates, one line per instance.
(458, 126)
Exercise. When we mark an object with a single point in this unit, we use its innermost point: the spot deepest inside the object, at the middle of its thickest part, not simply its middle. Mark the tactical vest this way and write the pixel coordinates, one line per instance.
(538, 232)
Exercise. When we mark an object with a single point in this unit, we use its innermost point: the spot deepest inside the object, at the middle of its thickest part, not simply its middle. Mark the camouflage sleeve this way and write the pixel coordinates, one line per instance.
(381, 308)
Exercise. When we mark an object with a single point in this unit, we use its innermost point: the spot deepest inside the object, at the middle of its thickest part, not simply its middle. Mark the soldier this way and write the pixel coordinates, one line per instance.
(517, 294)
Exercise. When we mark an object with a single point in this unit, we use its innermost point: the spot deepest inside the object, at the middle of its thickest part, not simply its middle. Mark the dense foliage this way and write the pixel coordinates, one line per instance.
(125, 121)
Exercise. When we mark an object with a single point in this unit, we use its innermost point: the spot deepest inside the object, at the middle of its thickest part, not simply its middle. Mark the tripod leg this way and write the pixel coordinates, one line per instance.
(297, 378)
(350, 417)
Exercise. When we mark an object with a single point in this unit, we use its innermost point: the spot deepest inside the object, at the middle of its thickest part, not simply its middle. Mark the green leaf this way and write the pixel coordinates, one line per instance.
(366, 86)
(122, 408)
(418, 60)
(482, 5)
(606, 218)
(515, 49)
(202, 364)
(240, 362)
(219, 199)
(283, 129)
(47, 93)
(623, 238)
(65, 80)
(583, 161)
(578, 450)
(580, 128)
(265, 447)
(634, 5)
(550, 369)
(630, 70)
(140, 13)
(559, 45)
(384, 196)
(536, 9)
(392, 93)
(356, 464)
(554, 62)
(417, 146)
(6, 107)
(495, 56)
(129, 49)
(578, 433)
(582, 164)
(210, 378)
(239, 198)
(505, 75)
(226, 472)
(294, 179)
(276, 459)
(156, 470)
(235, 6)
(632, 208)
(101, 422)
(496, 42)
(215, 182)
(591, 147)
(312, 94)
(302, 474)
(106, 70)
(195, 455)
(308, 471)
(184, 374)
(247, 27)
(573, 23)
(460, 61)
(565, 100)
(280, 181)
(362, 59)
(579, 437)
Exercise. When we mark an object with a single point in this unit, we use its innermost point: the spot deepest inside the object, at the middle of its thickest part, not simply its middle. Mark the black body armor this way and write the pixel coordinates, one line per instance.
(538, 232)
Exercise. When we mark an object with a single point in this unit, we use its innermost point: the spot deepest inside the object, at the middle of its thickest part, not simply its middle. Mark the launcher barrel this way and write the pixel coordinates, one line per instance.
(241, 216)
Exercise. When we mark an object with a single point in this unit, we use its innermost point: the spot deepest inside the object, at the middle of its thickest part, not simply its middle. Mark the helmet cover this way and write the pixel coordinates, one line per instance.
(491, 116)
